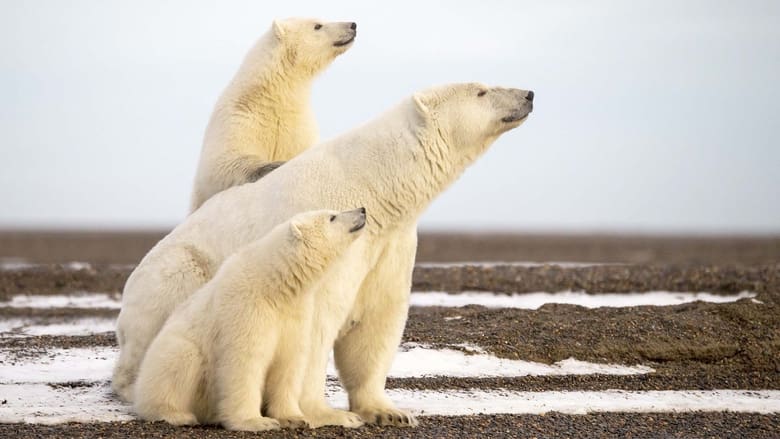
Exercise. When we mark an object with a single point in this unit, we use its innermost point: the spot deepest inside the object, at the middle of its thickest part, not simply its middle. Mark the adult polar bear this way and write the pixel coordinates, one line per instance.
(393, 166)
(264, 116)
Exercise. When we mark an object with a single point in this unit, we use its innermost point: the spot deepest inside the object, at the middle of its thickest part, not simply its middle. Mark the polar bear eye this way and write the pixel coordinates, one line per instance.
(482, 93)
(317, 26)
(332, 218)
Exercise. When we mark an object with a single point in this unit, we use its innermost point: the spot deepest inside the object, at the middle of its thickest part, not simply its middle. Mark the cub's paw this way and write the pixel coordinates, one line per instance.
(180, 418)
(394, 417)
(335, 417)
(259, 423)
(293, 422)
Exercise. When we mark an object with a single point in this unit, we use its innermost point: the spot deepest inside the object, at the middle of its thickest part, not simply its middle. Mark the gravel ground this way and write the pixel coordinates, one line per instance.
(691, 346)
(622, 425)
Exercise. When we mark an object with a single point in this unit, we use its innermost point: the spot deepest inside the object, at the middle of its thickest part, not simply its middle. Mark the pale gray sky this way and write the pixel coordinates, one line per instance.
(650, 115)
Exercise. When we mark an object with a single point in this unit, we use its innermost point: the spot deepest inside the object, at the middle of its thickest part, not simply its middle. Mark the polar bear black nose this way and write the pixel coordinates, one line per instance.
(530, 96)
(363, 210)
(353, 26)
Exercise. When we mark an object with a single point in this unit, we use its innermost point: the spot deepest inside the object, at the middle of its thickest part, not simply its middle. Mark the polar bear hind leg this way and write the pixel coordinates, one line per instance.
(239, 379)
(284, 383)
(168, 381)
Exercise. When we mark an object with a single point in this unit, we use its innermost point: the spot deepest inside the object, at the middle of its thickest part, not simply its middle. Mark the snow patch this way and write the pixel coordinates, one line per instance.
(78, 300)
(412, 360)
(74, 327)
(473, 402)
(44, 404)
(536, 300)
(421, 361)
(59, 365)
(12, 264)
(41, 403)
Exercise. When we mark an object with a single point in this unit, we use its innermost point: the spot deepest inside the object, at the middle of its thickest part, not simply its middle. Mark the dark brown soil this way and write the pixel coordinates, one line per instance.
(737, 333)
(607, 425)
(691, 346)
(129, 246)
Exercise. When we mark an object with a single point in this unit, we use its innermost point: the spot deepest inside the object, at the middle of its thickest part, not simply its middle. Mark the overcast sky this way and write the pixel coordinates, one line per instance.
(649, 115)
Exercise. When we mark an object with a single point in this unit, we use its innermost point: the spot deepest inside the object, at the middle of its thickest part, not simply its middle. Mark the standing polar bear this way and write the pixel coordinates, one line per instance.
(393, 166)
(242, 341)
(264, 116)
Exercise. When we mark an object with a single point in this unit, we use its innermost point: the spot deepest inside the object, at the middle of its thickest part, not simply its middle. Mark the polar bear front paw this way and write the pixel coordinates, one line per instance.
(259, 423)
(293, 422)
(335, 417)
(394, 417)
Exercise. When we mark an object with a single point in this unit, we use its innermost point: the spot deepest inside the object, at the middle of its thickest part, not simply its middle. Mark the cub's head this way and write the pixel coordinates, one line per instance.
(311, 44)
(327, 233)
(473, 115)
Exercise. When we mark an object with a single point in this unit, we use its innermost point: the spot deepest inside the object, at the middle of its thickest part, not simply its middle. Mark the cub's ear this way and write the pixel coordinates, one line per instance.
(295, 229)
(278, 28)
(420, 103)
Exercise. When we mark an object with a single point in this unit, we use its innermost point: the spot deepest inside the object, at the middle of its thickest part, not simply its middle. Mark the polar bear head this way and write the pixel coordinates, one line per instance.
(311, 45)
(324, 234)
(469, 117)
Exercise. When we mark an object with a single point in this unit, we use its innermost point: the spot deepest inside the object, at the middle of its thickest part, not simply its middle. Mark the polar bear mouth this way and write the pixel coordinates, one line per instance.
(344, 42)
(514, 118)
(357, 227)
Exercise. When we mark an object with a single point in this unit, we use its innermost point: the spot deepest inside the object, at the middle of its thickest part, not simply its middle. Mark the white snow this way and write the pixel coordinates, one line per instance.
(471, 402)
(412, 360)
(59, 365)
(421, 361)
(11, 264)
(76, 300)
(536, 300)
(10, 324)
(74, 327)
(40, 403)
(435, 298)
(77, 266)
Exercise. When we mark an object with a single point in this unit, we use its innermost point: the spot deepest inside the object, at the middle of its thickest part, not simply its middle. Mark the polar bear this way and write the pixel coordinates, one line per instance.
(241, 341)
(264, 116)
(394, 166)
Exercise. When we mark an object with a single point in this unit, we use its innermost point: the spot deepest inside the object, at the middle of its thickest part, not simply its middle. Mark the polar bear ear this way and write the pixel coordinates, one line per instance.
(278, 28)
(419, 103)
(295, 229)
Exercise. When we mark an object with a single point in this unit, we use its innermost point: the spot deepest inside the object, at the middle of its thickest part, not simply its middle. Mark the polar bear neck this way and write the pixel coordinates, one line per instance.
(266, 101)
(296, 271)
(402, 176)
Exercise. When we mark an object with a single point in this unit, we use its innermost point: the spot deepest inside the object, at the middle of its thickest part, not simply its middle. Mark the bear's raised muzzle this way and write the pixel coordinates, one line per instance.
(349, 34)
(525, 107)
(355, 219)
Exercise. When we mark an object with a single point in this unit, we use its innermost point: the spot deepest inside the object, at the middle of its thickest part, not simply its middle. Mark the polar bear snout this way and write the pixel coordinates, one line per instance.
(523, 105)
(353, 219)
(346, 33)
(360, 221)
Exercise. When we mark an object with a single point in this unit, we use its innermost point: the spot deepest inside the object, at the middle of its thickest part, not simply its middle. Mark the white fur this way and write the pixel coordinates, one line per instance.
(241, 342)
(264, 115)
(394, 166)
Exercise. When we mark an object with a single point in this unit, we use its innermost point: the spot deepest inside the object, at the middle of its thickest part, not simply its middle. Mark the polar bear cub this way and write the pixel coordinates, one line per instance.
(242, 341)
(264, 116)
